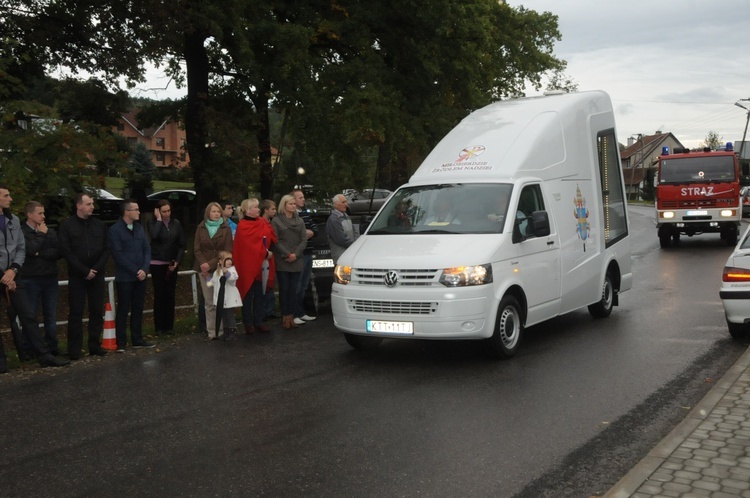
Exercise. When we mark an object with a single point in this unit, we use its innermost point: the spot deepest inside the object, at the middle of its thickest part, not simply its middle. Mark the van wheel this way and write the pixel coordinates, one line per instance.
(362, 342)
(738, 331)
(508, 328)
(603, 308)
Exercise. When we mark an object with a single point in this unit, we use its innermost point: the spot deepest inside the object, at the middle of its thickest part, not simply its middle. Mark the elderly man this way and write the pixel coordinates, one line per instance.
(339, 228)
(12, 257)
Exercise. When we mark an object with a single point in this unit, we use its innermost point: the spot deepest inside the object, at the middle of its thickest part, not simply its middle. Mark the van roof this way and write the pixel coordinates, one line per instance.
(519, 137)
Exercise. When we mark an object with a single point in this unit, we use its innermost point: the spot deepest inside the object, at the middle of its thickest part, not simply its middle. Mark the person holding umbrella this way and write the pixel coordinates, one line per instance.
(252, 241)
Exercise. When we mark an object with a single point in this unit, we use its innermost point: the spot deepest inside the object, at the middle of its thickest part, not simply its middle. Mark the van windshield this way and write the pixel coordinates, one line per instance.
(446, 208)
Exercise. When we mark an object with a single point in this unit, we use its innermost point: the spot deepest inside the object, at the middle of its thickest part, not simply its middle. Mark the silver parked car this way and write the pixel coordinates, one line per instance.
(366, 201)
(735, 288)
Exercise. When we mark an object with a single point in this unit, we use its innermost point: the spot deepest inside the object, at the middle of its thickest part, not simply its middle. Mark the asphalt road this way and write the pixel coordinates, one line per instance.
(298, 413)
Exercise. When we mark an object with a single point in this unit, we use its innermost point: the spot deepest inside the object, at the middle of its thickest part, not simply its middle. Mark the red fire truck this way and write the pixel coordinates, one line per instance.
(698, 192)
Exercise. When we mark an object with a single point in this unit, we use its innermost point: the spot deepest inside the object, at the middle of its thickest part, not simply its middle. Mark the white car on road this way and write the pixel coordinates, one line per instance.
(735, 288)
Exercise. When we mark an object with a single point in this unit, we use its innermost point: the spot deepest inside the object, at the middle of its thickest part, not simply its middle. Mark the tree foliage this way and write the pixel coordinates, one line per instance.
(713, 141)
(365, 89)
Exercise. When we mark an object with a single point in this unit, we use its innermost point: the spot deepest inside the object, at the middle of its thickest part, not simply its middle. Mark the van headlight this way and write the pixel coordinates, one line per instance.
(462, 276)
(342, 274)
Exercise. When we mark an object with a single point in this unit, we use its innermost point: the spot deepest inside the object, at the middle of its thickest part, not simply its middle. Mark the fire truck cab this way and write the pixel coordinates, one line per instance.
(698, 192)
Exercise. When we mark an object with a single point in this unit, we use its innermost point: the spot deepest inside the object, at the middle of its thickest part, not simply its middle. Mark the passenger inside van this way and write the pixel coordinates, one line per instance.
(442, 213)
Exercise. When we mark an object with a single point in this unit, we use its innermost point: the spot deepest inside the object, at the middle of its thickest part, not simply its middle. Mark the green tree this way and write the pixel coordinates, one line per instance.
(713, 141)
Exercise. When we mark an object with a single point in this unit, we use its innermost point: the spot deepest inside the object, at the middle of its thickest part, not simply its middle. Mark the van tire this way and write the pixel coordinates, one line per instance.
(508, 330)
(362, 342)
(603, 308)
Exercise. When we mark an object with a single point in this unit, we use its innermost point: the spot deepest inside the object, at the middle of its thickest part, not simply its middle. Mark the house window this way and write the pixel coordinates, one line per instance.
(120, 126)
(132, 141)
(160, 142)
(160, 157)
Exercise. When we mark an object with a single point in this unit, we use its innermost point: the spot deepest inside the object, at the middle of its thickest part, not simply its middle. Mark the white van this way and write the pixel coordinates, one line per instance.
(517, 216)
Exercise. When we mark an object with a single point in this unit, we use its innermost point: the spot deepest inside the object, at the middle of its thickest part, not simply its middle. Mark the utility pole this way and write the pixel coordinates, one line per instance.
(632, 171)
(744, 135)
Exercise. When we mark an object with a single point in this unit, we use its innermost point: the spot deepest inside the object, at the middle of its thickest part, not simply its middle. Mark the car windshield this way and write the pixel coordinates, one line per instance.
(445, 208)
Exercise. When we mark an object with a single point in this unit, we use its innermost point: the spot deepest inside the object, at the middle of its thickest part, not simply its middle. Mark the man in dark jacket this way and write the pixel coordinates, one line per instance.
(12, 257)
(83, 243)
(311, 229)
(132, 254)
(38, 275)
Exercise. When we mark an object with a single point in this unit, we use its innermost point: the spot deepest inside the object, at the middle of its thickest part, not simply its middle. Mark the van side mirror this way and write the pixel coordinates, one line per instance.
(540, 223)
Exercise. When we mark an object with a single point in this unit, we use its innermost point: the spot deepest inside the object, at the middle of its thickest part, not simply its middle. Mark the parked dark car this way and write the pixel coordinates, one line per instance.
(320, 291)
(184, 204)
(366, 202)
(59, 207)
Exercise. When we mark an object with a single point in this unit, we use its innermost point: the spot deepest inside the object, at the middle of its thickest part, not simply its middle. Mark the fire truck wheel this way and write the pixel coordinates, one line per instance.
(665, 241)
(603, 308)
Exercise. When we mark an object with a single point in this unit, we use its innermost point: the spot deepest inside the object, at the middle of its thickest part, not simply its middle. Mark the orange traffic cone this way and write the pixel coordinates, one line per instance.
(109, 340)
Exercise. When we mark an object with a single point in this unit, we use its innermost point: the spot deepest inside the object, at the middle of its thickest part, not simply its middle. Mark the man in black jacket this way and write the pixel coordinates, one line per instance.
(83, 243)
(12, 257)
(38, 275)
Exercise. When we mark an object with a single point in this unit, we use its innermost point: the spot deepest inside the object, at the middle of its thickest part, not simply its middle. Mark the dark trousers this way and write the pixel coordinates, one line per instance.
(131, 297)
(304, 281)
(288, 285)
(165, 286)
(30, 325)
(43, 290)
(80, 290)
(253, 306)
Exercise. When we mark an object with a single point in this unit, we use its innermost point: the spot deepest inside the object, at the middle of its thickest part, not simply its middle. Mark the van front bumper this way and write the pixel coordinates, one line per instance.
(447, 313)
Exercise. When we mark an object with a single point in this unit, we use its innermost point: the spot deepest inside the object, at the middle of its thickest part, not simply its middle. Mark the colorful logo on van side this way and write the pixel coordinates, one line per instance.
(582, 215)
(469, 153)
(466, 161)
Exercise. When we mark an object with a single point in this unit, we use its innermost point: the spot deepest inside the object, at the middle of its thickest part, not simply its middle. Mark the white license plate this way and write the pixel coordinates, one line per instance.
(697, 213)
(322, 263)
(390, 327)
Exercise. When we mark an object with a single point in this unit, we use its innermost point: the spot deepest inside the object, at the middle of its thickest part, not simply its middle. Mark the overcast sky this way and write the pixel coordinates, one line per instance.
(670, 65)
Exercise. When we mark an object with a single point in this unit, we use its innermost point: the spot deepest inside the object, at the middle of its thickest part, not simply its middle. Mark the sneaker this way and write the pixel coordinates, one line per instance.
(299, 321)
(120, 350)
(143, 344)
(308, 318)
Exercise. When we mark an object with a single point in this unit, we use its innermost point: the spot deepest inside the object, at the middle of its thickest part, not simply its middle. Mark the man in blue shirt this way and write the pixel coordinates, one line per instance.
(132, 255)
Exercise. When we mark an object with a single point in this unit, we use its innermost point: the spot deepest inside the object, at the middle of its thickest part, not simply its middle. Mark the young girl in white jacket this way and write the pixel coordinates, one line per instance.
(224, 282)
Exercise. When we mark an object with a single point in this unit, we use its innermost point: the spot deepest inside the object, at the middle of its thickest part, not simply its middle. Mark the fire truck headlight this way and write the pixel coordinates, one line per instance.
(667, 215)
(728, 213)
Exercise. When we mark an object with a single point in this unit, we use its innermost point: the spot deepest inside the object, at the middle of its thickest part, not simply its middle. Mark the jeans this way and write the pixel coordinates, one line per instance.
(304, 281)
(288, 284)
(43, 289)
(165, 285)
(79, 290)
(253, 309)
(131, 297)
(269, 302)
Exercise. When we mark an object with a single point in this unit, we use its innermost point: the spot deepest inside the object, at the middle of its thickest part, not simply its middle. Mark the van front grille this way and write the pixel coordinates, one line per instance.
(393, 307)
(412, 278)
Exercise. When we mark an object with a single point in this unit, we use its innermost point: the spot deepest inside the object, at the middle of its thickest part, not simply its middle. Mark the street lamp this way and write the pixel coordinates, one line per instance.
(742, 146)
(632, 171)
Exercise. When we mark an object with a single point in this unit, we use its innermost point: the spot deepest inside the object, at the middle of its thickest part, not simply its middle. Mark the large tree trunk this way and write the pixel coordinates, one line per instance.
(263, 136)
(197, 124)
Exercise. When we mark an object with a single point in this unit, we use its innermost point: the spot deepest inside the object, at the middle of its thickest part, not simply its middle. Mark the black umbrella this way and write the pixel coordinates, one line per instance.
(220, 303)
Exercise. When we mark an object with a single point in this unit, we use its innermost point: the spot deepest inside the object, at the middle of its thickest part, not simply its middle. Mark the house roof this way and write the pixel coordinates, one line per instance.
(131, 118)
(647, 144)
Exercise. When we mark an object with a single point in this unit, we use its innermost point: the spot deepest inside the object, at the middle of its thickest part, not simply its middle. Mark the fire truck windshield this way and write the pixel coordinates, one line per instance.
(697, 170)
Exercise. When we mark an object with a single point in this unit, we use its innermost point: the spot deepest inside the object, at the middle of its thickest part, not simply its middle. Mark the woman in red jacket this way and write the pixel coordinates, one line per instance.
(252, 241)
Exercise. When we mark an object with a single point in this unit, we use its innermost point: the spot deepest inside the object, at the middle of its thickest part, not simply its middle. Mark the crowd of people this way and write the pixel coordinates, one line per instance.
(238, 265)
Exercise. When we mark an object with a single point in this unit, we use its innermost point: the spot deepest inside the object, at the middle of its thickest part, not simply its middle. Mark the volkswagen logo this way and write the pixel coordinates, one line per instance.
(391, 278)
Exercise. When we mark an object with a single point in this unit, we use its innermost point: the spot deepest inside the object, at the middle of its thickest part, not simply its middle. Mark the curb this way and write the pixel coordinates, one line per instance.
(639, 474)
